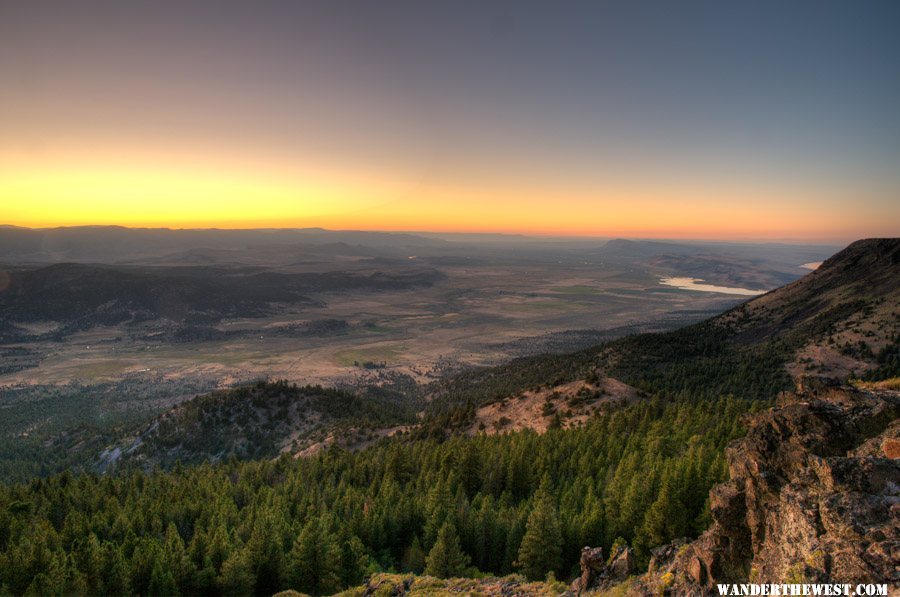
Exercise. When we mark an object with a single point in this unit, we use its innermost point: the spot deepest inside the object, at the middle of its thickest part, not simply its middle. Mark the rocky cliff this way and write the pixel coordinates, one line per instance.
(813, 496)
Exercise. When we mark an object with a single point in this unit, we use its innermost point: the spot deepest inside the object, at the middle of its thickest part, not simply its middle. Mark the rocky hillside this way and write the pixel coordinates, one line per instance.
(813, 497)
(566, 405)
(836, 320)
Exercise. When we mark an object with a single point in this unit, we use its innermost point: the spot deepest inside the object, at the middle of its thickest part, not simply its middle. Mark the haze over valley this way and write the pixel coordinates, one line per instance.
(315, 306)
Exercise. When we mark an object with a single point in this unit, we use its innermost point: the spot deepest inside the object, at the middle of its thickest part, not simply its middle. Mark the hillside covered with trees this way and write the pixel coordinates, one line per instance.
(493, 504)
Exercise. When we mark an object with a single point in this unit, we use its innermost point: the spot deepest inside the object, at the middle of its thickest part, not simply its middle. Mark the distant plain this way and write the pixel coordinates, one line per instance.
(486, 303)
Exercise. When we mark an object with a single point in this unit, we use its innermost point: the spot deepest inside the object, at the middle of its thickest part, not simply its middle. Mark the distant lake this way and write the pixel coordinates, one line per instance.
(697, 284)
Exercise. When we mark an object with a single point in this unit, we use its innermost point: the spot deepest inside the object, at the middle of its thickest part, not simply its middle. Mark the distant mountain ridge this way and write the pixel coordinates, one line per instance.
(643, 248)
(111, 244)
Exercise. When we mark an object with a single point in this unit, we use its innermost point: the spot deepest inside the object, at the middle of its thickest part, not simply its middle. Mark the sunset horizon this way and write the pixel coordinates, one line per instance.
(650, 235)
(588, 120)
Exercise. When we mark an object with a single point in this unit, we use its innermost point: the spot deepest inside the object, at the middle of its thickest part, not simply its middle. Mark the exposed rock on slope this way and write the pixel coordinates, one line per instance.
(813, 497)
(597, 573)
(569, 404)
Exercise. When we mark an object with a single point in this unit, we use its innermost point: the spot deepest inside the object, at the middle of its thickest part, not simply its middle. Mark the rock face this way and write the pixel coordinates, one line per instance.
(597, 573)
(813, 496)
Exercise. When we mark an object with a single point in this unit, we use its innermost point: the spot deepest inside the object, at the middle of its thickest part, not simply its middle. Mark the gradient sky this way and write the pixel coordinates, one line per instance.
(753, 120)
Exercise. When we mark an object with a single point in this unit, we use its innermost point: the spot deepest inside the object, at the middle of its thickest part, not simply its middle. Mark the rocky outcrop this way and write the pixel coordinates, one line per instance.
(813, 496)
(598, 573)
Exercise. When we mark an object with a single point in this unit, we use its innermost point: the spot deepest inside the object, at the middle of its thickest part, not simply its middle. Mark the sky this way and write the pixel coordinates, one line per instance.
(727, 120)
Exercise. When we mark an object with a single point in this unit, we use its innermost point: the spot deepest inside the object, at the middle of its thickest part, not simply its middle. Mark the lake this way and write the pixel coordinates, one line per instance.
(697, 284)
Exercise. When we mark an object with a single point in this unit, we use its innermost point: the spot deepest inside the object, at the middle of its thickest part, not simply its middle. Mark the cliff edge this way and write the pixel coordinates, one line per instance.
(813, 497)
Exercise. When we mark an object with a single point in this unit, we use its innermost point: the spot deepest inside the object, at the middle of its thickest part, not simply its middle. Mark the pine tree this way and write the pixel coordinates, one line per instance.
(89, 558)
(315, 560)
(469, 471)
(236, 576)
(115, 573)
(665, 519)
(446, 558)
(414, 557)
(176, 556)
(162, 581)
(354, 561)
(266, 553)
(541, 549)
(40, 585)
(439, 510)
(217, 549)
(143, 559)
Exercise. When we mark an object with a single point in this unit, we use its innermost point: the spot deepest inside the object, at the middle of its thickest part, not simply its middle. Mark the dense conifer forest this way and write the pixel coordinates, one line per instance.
(468, 505)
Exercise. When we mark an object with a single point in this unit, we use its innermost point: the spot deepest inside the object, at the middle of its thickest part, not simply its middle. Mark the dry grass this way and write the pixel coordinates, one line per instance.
(393, 584)
(534, 409)
(887, 384)
(620, 590)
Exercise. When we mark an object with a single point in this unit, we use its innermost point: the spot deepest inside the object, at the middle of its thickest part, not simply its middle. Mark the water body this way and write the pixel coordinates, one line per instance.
(813, 265)
(697, 284)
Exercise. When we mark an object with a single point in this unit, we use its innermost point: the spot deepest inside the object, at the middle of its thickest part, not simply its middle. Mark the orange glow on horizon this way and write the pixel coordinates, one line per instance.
(426, 118)
(187, 193)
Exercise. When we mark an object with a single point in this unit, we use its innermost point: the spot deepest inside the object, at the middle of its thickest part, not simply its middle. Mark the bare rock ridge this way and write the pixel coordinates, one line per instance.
(813, 496)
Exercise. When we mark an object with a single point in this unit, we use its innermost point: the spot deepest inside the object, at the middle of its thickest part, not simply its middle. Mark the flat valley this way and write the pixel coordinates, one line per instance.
(341, 313)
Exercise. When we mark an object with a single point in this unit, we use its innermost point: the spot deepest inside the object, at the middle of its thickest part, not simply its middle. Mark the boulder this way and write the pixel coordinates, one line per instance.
(592, 565)
(622, 564)
(598, 573)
